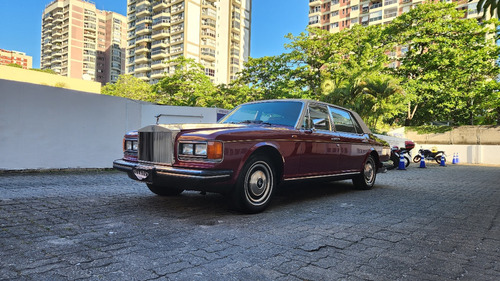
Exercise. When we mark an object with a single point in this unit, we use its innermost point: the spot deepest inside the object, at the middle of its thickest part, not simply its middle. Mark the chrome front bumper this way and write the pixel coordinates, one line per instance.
(151, 173)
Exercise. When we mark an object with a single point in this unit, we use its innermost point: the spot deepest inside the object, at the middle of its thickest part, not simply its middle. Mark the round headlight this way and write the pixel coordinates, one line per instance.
(135, 145)
(128, 145)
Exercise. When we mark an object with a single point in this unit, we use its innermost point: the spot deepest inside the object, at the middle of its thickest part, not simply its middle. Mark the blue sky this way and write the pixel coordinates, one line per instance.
(20, 23)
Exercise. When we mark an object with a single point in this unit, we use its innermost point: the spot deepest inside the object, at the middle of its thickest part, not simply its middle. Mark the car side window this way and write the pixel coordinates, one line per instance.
(342, 120)
(317, 118)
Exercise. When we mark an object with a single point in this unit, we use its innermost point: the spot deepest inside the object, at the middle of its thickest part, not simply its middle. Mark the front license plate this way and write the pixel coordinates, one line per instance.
(143, 173)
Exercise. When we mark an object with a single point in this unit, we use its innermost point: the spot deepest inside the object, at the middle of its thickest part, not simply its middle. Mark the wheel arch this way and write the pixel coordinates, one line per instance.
(376, 158)
(273, 153)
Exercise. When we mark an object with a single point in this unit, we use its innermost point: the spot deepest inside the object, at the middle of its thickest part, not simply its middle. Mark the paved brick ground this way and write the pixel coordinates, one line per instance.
(439, 223)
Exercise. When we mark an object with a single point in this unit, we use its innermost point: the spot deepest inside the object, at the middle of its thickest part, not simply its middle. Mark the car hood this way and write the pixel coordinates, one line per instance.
(208, 130)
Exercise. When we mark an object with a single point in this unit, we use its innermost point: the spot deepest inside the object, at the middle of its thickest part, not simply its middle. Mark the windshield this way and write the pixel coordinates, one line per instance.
(274, 113)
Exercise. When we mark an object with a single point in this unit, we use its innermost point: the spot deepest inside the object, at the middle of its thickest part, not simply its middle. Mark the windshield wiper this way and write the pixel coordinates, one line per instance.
(254, 122)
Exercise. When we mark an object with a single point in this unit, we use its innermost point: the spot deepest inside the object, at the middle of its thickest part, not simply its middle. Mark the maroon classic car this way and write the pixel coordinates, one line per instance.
(254, 148)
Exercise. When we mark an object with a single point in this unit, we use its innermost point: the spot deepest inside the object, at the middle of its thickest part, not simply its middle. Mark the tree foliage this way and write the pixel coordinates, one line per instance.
(488, 5)
(447, 64)
(345, 68)
(128, 86)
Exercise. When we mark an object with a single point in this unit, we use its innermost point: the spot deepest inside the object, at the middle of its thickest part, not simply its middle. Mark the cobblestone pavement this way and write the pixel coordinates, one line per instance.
(439, 223)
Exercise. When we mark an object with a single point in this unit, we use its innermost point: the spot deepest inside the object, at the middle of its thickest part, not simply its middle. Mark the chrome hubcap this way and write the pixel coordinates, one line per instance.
(258, 183)
(369, 172)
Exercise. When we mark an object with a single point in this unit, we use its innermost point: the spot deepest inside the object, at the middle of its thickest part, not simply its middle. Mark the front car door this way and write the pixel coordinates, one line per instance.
(319, 148)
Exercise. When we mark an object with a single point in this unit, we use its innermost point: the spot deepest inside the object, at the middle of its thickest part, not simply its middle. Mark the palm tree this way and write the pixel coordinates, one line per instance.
(492, 5)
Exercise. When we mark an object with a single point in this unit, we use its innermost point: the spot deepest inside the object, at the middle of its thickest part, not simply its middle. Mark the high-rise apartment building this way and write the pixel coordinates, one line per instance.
(335, 15)
(8, 57)
(215, 33)
(80, 41)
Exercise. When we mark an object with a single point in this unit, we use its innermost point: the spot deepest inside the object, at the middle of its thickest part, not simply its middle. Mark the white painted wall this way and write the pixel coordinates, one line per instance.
(467, 154)
(44, 127)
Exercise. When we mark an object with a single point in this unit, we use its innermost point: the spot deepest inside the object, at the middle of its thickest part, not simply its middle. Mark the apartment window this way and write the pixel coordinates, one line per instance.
(354, 8)
(335, 2)
(209, 72)
(335, 13)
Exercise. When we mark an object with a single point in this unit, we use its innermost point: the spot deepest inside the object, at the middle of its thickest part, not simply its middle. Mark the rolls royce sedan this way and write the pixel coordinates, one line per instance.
(255, 147)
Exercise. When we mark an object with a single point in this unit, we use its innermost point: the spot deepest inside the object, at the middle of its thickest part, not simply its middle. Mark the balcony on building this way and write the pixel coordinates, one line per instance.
(143, 11)
(143, 39)
(160, 4)
(177, 8)
(131, 9)
(158, 64)
(161, 22)
(314, 2)
(161, 13)
(208, 3)
(158, 73)
(142, 29)
(159, 53)
(177, 28)
(142, 58)
(146, 19)
(160, 43)
(208, 12)
(160, 33)
(143, 76)
(144, 67)
(177, 18)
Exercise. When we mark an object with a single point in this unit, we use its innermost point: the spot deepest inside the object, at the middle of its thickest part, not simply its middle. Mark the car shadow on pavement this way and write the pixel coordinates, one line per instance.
(193, 203)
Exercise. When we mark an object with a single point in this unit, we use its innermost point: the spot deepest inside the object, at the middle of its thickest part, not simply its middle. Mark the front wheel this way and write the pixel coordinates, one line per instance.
(417, 158)
(366, 179)
(164, 190)
(255, 185)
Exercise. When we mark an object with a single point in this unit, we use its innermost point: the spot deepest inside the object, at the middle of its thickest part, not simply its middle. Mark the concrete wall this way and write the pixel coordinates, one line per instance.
(43, 127)
(472, 135)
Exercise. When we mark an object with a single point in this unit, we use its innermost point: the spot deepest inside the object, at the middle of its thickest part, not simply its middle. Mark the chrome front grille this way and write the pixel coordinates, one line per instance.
(156, 147)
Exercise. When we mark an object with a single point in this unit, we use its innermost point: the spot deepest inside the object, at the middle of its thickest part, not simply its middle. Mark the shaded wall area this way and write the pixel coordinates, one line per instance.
(43, 127)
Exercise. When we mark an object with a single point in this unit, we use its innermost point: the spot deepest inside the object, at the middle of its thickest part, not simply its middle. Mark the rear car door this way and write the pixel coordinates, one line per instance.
(353, 142)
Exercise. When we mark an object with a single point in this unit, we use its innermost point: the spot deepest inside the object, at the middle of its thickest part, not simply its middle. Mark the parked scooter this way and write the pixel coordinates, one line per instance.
(433, 154)
(396, 153)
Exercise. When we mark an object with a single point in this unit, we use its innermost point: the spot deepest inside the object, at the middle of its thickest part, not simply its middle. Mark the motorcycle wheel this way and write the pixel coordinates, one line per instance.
(438, 159)
(416, 159)
(407, 161)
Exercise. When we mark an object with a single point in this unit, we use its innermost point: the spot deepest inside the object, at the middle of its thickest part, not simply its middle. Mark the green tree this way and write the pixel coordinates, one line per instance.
(128, 86)
(491, 5)
(187, 86)
(448, 59)
(345, 68)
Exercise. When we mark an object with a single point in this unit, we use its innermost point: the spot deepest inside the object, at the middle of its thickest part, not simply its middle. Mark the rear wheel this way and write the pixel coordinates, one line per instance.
(438, 158)
(164, 190)
(255, 185)
(366, 179)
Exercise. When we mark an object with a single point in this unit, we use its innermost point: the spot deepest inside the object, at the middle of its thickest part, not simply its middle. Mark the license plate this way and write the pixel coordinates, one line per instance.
(143, 173)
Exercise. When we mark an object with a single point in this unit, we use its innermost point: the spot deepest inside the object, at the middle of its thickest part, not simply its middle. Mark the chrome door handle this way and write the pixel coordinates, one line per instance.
(335, 139)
